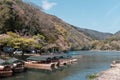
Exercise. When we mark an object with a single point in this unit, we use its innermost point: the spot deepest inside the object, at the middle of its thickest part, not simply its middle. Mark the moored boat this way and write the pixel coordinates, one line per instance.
(45, 62)
(5, 70)
(48, 62)
(16, 64)
(64, 59)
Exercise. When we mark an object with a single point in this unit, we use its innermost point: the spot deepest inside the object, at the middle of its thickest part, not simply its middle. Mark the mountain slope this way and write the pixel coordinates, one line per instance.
(111, 43)
(95, 34)
(117, 34)
(28, 20)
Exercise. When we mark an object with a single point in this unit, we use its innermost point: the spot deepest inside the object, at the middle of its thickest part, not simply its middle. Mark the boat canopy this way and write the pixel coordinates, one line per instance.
(47, 57)
(13, 60)
(60, 56)
(40, 58)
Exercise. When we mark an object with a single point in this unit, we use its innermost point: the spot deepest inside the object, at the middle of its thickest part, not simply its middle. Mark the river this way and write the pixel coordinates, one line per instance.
(91, 62)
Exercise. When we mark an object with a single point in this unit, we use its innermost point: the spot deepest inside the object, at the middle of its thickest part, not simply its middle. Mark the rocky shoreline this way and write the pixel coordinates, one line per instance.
(111, 74)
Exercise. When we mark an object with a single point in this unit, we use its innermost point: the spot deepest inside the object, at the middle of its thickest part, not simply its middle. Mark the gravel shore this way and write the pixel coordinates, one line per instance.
(110, 74)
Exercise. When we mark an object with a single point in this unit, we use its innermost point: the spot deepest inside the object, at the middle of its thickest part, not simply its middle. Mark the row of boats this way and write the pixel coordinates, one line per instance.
(44, 62)
(8, 67)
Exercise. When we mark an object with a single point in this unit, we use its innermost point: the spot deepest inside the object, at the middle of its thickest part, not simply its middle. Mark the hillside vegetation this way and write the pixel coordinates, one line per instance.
(111, 43)
(28, 20)
(26, 25)
(96, 35)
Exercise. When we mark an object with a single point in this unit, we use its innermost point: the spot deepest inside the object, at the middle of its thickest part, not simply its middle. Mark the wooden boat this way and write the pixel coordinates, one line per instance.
(44, 62)
(37, 65)
(73, 60)
(64, 62)
(48, 62)
(16, 64)
(5, 70)
(64, 59)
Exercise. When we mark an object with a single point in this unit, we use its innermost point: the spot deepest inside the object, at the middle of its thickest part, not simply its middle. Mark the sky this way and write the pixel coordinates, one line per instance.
(100, 15)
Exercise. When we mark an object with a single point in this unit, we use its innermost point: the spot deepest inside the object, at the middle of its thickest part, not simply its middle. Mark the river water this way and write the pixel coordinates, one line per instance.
(90, 62)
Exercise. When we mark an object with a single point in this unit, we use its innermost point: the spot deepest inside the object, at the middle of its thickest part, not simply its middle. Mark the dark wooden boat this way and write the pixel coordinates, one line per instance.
(5, 70)
(16, 64)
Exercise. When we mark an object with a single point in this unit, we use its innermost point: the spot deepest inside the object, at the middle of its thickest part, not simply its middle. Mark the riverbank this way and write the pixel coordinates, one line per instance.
(111, 74)
(105, 50)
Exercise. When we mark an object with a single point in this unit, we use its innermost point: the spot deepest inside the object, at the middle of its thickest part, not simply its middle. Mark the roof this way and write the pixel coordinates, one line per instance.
(13, 60)
(47, 57)
(40, 58)
(59, 56)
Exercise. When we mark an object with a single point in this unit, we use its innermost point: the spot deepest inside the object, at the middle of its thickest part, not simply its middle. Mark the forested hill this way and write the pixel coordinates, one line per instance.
(28, 20)
(96, 35)
(26, 25)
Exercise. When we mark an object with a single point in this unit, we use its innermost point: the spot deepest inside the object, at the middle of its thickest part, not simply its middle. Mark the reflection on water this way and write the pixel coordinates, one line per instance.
(91, 62)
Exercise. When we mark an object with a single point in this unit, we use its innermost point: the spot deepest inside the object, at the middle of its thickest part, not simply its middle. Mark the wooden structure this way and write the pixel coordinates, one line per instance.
(5, 70)
(48, 62)
(63, 59)
(45, 62)
(16, 64)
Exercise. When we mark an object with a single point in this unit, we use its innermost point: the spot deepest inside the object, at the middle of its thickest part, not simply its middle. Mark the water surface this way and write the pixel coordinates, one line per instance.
(91, 62)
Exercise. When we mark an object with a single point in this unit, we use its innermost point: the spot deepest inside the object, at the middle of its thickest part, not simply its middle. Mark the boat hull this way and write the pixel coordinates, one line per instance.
(50, 66)
(6, 73)
(18, 69)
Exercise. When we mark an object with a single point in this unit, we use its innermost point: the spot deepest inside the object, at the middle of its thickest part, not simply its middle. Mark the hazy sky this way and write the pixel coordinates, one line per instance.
(101, 15)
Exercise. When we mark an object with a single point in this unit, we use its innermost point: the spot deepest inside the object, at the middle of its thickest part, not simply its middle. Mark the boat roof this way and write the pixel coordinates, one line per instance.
(59, 56)
(47, 57)
(13, 60)
(39, 58)
(2, 61)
